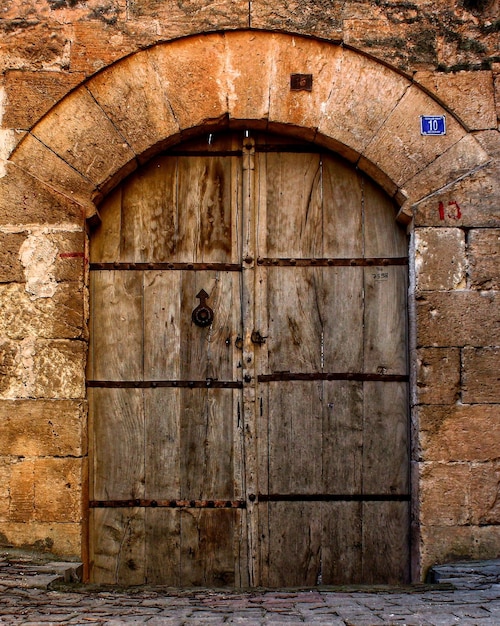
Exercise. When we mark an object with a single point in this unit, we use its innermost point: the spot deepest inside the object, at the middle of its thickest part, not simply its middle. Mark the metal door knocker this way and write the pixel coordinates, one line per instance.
(203, 314)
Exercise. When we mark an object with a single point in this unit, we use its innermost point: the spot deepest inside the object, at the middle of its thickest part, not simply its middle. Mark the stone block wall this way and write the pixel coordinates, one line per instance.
(42, 383)
(50, 47)
(457, 395)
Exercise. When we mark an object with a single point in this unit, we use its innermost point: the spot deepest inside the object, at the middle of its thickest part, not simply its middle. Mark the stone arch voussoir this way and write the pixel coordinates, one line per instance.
(358, 107)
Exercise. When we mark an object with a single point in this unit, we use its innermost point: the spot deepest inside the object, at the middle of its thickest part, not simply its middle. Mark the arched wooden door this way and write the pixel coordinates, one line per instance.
(261, 438)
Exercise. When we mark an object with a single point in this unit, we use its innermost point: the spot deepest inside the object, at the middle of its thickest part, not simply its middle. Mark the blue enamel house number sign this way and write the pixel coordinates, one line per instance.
(432, 125)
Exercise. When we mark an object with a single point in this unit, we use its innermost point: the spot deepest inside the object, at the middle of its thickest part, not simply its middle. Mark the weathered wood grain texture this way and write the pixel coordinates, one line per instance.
(343, 201)
(294, 208)
(117, 546)
(295, 438)
(149, 212)
(342, 548)
(117, 325)
(294, 549)
(163, 547)
(385, 440)
(162, 432)
(341, 302)
(342, 437)
(385, 320)
(295, 324)
(207, 547)
(204, 195)
(118, 450)
(385, 542)
(308, 439)
(162, 324)
(206, 444)
(329, 437)
(167, 443)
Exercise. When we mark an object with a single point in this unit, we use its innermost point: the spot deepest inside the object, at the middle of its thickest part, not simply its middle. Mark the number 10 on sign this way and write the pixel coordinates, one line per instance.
(432, 125)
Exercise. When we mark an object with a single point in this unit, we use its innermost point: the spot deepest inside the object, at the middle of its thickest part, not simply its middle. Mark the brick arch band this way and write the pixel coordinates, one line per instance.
(356, 106)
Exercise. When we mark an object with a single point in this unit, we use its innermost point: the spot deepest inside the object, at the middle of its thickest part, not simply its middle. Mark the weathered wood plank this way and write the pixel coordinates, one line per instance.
(295, 323)
(149, 212)
(294, 205)
(385, 320)
(295, 437)
(204, 201)
(162, 325)
(294, 545)
(341, 543)
(162, 408)
(118, 451)
(342, 224)
(116, 310)
(117, 546)
(385, 542)
(207, 547)
(341, 311)
(385, 441)
(242, 550)
(162, 547)
(250, 314)
(342, 440)
(206, 444)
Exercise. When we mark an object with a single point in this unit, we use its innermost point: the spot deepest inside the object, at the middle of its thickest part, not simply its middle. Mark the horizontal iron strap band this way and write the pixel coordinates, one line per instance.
(225, 267)
(294, 149)
(204, 153)
(172, 504)
(334, 497)
(236, 267)
(153, 384)
(292, 376)
(355, 262)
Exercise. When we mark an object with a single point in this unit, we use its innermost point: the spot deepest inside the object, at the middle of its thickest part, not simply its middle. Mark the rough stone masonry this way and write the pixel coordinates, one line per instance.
(52, 175)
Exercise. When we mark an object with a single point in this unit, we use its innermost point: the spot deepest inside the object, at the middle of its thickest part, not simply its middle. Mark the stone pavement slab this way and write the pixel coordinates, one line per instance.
(25, 600)
(169, 607)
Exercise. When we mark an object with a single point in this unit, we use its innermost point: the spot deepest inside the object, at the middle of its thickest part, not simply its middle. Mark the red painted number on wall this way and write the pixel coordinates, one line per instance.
(454, 211)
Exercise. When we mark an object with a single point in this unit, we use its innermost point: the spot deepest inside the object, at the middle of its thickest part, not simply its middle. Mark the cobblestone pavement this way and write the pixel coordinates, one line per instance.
(33, 595)
(157, 607)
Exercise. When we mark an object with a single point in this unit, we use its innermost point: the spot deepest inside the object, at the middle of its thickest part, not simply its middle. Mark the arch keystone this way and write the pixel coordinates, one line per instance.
(193, 75)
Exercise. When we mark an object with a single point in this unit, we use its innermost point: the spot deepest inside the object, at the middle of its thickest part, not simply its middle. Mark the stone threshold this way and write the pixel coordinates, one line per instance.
(466, 574)
(26, 569)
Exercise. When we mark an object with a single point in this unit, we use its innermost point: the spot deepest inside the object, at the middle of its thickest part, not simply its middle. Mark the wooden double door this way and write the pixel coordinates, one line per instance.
(247, 375)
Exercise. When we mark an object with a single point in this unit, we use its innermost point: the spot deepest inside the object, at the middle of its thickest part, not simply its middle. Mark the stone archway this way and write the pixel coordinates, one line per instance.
(358, 107)
(98, 134)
